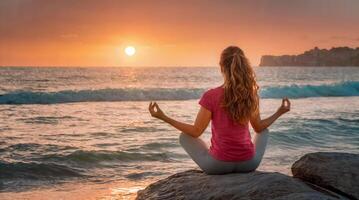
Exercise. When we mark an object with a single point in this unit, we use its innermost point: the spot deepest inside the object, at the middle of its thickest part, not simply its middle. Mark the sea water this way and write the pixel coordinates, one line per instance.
(85, 133)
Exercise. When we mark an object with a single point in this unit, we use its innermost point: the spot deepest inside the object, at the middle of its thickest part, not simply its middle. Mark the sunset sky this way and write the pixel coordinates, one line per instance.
(168, 32)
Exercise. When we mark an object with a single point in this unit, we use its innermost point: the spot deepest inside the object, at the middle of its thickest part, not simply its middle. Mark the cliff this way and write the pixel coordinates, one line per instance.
(321, 175)
(338, 56)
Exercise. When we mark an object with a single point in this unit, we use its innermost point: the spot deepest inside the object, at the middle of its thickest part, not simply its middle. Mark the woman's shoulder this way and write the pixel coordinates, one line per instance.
(213, 91)
(210, 98)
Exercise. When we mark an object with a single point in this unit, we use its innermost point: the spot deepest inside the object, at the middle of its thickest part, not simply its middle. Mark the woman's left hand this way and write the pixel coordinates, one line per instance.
(155, 110)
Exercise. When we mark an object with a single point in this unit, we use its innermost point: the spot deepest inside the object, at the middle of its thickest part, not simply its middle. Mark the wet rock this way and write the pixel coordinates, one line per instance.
(194, 184)
(338, 172)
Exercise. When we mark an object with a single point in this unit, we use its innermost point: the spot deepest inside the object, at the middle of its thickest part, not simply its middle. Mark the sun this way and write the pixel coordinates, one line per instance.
(130, 50)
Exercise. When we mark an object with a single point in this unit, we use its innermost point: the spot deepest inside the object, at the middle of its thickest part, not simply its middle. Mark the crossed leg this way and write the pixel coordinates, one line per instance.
(197, 149)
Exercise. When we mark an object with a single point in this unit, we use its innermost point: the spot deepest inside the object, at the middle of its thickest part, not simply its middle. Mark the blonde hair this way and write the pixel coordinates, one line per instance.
(240, 98)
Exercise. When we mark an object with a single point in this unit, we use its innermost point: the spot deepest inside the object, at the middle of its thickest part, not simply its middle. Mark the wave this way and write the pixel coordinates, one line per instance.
(142, 175)
(348, 88)
(341, 89)
(44, 119)
(35, 170)
(35, 147)
(81, 157)
(71, 96)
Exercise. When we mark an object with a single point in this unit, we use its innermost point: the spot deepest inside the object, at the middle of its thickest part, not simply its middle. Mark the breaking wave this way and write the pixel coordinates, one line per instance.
(70, 96)
(348, 88)
(342, 89)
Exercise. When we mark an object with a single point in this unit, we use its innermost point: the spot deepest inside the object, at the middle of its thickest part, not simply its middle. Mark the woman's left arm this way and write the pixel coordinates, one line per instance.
(202, 120)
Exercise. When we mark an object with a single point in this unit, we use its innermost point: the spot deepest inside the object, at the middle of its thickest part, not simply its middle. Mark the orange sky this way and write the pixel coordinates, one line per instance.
(168, 32)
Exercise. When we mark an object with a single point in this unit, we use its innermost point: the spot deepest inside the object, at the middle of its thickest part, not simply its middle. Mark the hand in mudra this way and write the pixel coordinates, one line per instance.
(285, 107)
(155, 110)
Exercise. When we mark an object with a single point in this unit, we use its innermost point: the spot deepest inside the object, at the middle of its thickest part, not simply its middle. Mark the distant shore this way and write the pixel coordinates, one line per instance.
(336, 56)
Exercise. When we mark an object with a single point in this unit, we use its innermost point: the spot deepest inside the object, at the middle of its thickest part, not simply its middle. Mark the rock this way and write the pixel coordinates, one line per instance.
(338, 172)
(338, 56)
(194, 184)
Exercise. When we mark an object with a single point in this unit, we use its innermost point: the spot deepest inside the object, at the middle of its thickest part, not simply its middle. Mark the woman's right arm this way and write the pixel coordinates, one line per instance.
(259, 124)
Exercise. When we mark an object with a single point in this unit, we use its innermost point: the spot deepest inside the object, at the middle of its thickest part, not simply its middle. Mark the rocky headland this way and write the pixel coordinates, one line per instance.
(321, 175)
(336, 56)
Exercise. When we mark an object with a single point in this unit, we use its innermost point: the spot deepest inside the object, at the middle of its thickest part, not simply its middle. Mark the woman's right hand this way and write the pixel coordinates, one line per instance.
(285, 107)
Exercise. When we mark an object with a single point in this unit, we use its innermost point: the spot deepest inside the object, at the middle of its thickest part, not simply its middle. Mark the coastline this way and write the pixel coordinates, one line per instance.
(336, 56)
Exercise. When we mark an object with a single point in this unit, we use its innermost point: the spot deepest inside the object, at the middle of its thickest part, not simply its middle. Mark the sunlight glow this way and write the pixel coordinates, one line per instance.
(130, 50)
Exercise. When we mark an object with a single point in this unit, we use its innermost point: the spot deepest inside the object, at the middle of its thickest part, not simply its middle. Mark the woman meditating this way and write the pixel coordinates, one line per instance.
(230, 108)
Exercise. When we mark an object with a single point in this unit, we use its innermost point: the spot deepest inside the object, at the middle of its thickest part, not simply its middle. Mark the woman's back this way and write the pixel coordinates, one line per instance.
(229, 108)
(231, 141)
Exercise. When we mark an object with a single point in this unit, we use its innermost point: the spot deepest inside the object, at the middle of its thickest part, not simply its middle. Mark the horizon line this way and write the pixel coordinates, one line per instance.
(94, 66)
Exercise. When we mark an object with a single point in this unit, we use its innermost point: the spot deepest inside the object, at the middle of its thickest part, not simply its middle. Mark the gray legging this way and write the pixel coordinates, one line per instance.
(198, 150)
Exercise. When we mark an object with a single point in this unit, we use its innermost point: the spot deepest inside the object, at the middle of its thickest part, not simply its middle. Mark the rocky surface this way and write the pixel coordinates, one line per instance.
(338, 172)
(194, 184)
(321, 175)
(339, 56)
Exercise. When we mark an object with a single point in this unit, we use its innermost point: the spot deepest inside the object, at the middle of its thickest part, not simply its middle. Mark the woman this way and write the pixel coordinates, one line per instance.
(230, 107)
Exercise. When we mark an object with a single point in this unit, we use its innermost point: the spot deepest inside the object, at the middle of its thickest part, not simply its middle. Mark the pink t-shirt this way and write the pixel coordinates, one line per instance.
(230, 141)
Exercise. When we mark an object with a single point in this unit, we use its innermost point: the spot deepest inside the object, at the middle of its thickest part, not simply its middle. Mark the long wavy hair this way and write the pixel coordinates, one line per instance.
(240, 97)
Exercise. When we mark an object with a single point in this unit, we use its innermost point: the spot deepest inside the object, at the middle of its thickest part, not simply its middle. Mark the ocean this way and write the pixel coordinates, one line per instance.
(85, 133)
